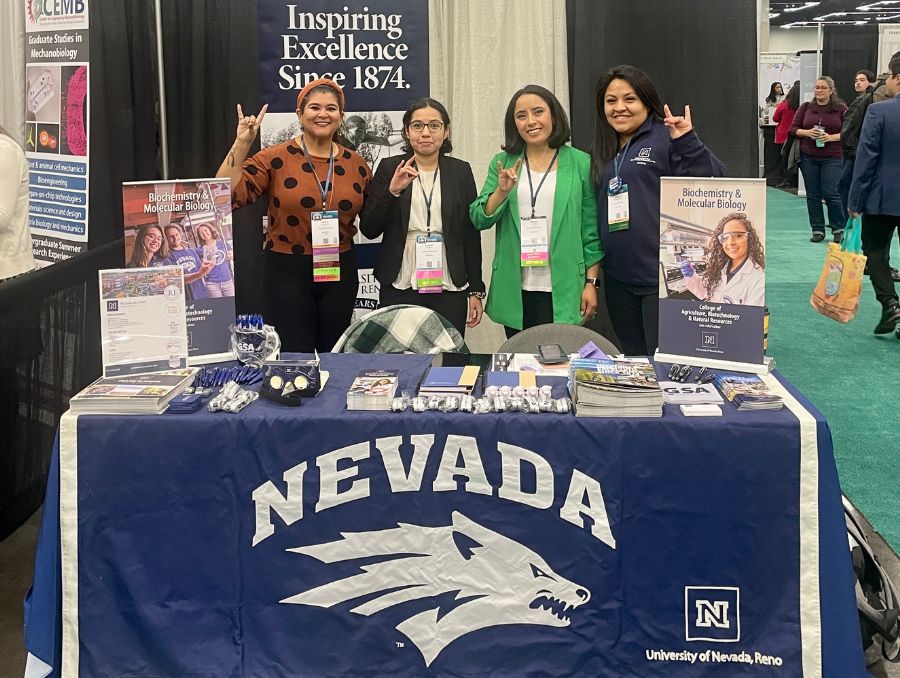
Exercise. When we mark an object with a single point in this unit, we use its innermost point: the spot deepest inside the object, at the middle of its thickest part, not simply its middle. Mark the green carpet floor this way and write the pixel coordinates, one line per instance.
(850, 374)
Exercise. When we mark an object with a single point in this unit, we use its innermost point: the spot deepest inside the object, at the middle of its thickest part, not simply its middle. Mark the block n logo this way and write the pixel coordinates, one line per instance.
(712, 613)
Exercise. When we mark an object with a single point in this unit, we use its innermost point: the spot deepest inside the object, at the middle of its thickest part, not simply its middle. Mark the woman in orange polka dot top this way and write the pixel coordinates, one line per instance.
(305, 179)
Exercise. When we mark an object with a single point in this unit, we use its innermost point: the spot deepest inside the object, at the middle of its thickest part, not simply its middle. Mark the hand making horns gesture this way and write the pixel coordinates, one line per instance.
(404, 175)
(678, 125)
(507, 178)
(248, 125)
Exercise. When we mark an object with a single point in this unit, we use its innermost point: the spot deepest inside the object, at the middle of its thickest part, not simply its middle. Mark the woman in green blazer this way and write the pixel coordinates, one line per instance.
(547, 254)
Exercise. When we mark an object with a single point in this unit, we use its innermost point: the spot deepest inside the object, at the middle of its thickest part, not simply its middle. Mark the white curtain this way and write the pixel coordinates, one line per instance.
(12, 67)
(481, 51)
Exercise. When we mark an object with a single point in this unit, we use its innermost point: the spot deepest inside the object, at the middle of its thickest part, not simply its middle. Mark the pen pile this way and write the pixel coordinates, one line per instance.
(211, 377)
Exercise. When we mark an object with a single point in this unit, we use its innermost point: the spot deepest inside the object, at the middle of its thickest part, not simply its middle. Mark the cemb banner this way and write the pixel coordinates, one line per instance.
(187, 223)
(712, 263)
(376, 50)
(56, 126)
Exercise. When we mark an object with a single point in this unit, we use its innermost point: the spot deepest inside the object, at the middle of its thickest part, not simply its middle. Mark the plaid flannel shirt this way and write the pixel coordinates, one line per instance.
(401, 329)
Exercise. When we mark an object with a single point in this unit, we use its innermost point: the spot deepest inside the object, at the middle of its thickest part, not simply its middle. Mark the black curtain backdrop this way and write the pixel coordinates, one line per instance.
(123, 142)
(846, 50)
(697, 52)
(211, 65)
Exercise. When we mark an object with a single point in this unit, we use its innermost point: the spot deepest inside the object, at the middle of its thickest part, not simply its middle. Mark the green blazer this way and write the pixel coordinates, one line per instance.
(574, 241)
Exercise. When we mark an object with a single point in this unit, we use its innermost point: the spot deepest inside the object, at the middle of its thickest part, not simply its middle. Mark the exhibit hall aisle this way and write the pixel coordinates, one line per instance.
(849, 373)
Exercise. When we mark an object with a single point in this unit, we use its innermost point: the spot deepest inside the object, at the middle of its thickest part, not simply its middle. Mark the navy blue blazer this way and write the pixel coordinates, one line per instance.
(876, 174)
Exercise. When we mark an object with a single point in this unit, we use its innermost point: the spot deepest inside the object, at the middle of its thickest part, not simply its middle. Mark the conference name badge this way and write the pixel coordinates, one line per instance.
(535, 250)
(617, 208)
(429, 263)
(326, 250)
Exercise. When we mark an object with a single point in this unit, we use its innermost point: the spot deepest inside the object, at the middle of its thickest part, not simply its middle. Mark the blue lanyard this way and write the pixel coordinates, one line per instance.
(617, 164)
(534, 194)
(323, 190)
(428, 197)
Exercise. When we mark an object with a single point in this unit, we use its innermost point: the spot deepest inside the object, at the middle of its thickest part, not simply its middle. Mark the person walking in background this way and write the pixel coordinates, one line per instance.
(784, 116)
(637, 141)
(818, 125)
(538, 194)
(426, 194)
(874, 193)
(864, 84)
(306, 179)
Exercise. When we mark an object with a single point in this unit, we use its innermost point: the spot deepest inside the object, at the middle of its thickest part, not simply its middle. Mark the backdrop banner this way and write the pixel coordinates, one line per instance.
(712, 280)
(376, 50)
(56, 127)
(775, 69)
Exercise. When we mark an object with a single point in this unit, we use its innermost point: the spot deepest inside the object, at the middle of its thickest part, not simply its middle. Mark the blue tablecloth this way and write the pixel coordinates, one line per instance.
(314, 541)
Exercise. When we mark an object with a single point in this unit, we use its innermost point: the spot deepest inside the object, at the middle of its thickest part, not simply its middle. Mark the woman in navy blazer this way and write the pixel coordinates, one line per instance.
(422, 193)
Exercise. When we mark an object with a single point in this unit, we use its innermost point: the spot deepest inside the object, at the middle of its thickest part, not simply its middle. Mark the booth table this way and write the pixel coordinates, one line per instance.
(314, 541)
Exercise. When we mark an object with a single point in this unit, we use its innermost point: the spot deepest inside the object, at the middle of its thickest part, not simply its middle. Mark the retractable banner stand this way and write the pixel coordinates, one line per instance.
(712, 277)
(56, 127)
(187, 223)
(377, 50)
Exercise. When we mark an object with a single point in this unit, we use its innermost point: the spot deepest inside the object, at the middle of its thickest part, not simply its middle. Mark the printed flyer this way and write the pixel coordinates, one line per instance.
(712, 263)
(57, 76)
(187, 223)
(142, 320)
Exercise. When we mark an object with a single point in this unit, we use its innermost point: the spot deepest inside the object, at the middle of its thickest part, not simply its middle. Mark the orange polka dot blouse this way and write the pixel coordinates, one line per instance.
(284, 175)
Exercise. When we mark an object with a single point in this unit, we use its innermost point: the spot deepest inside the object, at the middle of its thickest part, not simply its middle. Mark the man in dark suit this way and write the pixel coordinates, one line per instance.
(874, 193)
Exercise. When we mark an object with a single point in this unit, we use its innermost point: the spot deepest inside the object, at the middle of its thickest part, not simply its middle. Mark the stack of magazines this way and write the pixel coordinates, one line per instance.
(747, 392)
(617, 387)
(132, 394)
(372, 390)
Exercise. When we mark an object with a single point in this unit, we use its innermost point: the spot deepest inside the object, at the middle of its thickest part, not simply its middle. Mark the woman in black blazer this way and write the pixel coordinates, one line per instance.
(430, 254)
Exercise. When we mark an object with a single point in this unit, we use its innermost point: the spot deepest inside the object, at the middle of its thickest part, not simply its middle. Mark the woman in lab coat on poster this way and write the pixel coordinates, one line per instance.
(735, 265)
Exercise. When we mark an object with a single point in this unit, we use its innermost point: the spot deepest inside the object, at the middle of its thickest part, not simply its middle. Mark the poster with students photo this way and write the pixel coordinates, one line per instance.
(712, 272)
(187, 223)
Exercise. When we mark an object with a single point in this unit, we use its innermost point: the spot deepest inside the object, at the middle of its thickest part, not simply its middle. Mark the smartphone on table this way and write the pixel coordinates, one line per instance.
(551, 354)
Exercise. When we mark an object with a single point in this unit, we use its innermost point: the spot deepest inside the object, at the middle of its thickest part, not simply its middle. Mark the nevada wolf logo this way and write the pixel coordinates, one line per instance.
(497, 580)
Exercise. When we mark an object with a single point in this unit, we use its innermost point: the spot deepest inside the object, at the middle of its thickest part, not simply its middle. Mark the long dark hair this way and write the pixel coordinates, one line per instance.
(716, 259)
(773, 95)
(793, 96)
(606, 139)
(418, 105)
(561, 133)
(139, 252)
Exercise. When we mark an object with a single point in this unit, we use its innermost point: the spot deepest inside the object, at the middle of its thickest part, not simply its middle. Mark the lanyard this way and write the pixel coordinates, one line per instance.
(617, 164)
(323, 191)
(534, 194)
(428, 197)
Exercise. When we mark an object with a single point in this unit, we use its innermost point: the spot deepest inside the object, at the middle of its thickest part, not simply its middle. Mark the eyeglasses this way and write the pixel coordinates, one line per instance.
(725, 237)
(433, 126)
(153, 236)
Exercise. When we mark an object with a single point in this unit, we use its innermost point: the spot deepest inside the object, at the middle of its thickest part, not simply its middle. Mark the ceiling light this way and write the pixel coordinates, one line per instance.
(806, 5)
